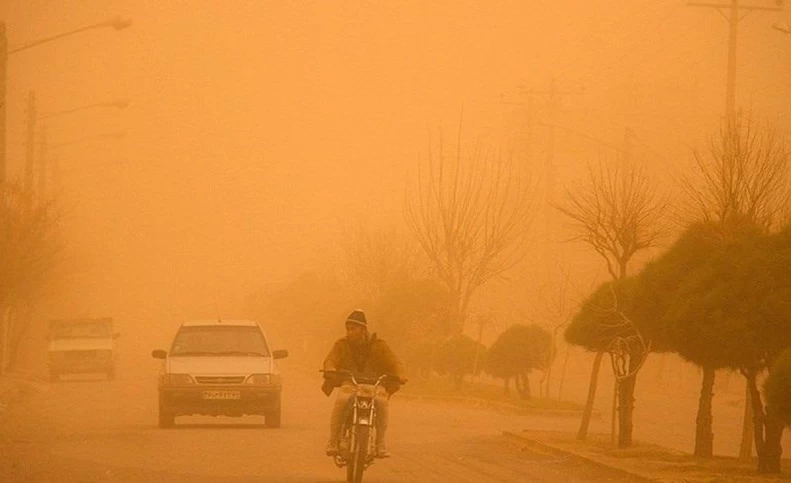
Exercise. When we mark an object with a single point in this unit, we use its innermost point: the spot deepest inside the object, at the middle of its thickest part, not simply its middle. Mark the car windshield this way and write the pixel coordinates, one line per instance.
(226, 340)
(82, 330)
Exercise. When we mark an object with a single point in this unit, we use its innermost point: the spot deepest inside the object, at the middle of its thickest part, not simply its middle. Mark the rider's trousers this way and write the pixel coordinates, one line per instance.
(338, 410)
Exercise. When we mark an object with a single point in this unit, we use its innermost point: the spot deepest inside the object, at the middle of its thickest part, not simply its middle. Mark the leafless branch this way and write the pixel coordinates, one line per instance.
(616, 212)
(742, 180)
(469, 213)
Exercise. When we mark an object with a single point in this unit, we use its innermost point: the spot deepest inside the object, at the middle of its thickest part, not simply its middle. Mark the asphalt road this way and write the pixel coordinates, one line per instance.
(88, 429)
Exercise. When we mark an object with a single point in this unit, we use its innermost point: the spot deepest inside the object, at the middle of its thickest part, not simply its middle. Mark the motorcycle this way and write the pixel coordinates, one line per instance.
(358, 433)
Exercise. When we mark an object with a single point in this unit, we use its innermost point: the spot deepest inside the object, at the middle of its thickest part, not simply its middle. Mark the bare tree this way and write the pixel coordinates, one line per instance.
(374, 257)
(739, 184)
(741, 181)
(616, 211)
(469, 213)
(28, 254)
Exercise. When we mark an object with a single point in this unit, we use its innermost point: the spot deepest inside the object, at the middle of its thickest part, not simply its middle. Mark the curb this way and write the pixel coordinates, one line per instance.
(549, 448)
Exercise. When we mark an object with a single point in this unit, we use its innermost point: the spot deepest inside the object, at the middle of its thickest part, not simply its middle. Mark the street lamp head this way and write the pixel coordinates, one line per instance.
(120, 104)
(118, 23)
(783, 27)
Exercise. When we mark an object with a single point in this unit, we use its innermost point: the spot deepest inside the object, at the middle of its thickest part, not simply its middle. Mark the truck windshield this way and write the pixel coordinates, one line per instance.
(81, 330)
(219, 341)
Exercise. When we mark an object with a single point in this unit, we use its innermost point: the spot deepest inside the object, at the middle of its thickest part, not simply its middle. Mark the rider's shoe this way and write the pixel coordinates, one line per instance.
(332, 449)
(381, 451)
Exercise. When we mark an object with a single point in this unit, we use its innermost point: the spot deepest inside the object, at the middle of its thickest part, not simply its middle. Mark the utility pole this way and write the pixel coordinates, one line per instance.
(31, 141)
(552, 99)
(3, 62)
(734, 16)
(551, 104)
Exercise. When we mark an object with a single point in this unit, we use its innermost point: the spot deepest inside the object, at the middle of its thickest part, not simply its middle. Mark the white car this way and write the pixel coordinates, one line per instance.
(220, 367)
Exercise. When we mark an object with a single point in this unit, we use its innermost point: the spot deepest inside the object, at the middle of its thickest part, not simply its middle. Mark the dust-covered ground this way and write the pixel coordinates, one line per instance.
(89, 429)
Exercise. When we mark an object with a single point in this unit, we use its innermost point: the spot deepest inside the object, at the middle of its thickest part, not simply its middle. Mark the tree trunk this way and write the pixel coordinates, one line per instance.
(526, 386)
(562, 378)
(626, 409)
(522, 386)
(19, 329)
(704, 437)
(582, 434)
(746, 447)
(455, 319)
(773, 447)
(457, 381)
(766, 456)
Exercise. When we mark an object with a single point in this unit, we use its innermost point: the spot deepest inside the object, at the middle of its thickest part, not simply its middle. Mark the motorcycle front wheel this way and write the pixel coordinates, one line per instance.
(359, 455)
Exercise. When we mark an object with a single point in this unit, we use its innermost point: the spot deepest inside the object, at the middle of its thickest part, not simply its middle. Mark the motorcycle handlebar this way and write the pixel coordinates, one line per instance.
(360, 378)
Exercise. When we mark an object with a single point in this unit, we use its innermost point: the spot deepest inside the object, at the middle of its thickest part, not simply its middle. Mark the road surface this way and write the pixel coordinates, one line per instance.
(88, 429)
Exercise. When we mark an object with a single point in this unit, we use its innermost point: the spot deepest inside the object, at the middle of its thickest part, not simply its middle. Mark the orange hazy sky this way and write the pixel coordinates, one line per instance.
(256, 129)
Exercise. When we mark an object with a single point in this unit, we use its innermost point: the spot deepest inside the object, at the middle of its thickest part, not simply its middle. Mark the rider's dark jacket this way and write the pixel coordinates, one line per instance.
(372, 357)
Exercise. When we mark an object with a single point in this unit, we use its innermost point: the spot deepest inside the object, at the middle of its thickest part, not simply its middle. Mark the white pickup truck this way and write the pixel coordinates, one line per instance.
(85, 345)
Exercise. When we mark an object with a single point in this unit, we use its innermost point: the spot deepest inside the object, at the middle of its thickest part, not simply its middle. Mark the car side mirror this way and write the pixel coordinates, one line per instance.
(159, 354)
(280, 354)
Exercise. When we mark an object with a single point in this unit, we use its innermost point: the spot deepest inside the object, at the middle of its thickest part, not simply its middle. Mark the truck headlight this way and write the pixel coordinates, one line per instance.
(177, 379)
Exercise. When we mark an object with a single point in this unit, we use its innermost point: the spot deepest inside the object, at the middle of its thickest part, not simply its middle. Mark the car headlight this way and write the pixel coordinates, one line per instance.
(177, 379)
(263, 379)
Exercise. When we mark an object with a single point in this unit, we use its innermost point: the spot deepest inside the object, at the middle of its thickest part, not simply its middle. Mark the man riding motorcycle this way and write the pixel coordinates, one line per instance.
(360, 352)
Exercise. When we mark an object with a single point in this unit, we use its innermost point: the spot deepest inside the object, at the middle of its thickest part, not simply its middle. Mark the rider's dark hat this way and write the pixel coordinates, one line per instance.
(357, 317)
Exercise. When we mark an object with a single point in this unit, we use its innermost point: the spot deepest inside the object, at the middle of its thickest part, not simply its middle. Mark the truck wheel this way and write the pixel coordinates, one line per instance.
(166, 419)
(273, 418)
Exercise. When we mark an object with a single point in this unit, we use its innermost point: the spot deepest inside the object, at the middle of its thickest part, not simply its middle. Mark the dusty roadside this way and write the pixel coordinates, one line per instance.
(644, 461)
(16, 387)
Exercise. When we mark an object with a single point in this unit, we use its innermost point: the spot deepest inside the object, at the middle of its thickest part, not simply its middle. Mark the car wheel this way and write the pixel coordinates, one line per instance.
(272, 416)
(111, 374)
(54, 377)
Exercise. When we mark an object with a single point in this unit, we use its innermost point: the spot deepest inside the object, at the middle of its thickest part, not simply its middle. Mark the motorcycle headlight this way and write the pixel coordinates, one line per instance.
(262, 379)
(177, 379)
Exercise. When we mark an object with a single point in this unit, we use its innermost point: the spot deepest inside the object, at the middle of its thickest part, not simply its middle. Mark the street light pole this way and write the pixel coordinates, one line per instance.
(115, 23)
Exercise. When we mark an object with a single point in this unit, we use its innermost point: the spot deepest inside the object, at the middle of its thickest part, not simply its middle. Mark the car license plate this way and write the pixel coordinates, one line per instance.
(221, 395)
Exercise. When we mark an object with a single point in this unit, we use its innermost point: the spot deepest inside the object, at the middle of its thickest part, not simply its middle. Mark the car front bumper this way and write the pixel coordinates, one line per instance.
(215, 400)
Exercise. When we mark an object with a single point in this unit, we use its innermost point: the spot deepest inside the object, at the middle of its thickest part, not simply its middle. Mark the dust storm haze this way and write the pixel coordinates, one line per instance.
(256, 132)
